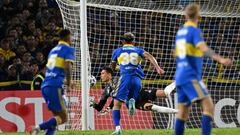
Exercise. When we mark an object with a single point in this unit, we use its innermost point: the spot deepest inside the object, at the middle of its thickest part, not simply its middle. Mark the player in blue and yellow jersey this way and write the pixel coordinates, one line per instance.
(59, 67)
(129, 60)
(190, 49)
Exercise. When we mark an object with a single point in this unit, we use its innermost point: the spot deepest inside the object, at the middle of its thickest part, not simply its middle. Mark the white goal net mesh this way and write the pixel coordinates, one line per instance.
(154, 23)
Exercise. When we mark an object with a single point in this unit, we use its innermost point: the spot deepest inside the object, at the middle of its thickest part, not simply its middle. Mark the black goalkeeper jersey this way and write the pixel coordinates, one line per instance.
(107, 92)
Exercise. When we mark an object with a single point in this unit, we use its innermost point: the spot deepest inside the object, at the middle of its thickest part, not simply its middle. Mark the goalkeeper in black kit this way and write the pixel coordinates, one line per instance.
(144, 101)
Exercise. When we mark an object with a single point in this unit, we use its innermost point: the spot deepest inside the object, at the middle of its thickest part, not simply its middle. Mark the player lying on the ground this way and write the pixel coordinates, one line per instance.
(144, 101)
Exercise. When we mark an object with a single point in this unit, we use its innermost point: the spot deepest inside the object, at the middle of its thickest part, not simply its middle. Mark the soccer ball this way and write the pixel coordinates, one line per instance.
(92, 80)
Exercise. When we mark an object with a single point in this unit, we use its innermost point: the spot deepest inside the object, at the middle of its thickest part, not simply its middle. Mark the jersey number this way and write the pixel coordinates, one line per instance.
(52, 61)
(127, 58)
(181, 48)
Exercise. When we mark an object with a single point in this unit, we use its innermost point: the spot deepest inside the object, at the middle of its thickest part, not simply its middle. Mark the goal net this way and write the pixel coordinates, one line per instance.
(154, 23)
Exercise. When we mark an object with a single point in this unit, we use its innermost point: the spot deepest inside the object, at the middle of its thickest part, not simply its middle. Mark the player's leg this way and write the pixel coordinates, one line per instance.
(182, 116)
(117, 116)
(61, 118)
(55, 103)
(207, 116)
(183, 111)
(144, 102)
(198, 92)
(159, 109)
(167, 90)
(120, 95)
(207, 107)
(134, 90)
(160, 93)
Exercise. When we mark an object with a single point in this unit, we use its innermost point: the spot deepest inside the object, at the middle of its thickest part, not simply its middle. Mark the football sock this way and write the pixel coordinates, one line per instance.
(206, 124)
(179, 127)
(50, 131)
(116, 117)
(48, 124)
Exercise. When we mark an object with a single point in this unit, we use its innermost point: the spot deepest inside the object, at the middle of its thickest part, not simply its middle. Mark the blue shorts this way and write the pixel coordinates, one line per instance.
(53, 97)
(191, 92)
(127, 87)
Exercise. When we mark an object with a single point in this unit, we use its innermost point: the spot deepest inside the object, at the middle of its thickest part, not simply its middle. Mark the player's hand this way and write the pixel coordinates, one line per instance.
(225, 61)
(104, 112)
(160, 70)
(92, 103)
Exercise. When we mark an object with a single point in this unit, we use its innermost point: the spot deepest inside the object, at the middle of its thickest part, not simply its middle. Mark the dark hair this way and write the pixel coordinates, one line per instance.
(128, 37)
(108, 70)
(33, 62)
(64, 33)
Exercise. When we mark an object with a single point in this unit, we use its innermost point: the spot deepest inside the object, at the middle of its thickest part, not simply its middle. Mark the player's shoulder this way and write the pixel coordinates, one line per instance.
(117, 50)
(138, 48)
(195, 29)
(68, 49)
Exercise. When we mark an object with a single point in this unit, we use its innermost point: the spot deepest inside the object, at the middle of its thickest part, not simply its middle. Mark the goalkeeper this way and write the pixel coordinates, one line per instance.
(144, 101)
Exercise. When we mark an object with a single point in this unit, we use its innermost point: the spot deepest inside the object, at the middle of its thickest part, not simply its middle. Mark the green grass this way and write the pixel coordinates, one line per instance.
(222, 131)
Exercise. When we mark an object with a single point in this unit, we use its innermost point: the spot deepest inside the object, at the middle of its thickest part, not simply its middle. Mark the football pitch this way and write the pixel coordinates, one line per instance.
(216, 131)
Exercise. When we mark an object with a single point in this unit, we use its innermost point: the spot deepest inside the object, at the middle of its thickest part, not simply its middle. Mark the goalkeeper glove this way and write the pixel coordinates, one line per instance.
(92, 103)
(104, 112)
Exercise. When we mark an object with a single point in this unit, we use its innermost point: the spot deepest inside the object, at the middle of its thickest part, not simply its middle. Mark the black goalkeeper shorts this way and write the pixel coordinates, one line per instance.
(145, 97)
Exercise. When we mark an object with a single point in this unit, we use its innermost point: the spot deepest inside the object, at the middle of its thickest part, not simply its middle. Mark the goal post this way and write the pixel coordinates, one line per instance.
(85, 87)
(154, 23)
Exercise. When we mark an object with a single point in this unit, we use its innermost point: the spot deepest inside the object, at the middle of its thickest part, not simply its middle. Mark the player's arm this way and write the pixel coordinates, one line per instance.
(68, 73)
(111, 104)
(153, 61)
(114, 60)
(69, 60)
(199, 43)
(99, 106)
(210, 53)
(114, 65)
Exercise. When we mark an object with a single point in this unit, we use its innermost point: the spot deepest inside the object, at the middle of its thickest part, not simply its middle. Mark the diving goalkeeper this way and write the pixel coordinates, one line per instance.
(144, 101)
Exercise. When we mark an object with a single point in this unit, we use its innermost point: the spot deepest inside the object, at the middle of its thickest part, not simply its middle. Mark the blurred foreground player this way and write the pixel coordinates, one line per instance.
(143, 102)
(190, 49)
(59, 66)
(129, 59)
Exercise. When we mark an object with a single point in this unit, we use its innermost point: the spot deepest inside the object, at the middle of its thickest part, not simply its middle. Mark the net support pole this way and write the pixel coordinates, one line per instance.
(84, 65)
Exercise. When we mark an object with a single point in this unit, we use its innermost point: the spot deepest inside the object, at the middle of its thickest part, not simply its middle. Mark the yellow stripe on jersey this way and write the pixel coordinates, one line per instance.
(190, 23)
(190, 51)
(120, 60)
(198, 88)
(68, 60)
(56, 62)
(128, 45)
(140, 60)
(63, 42)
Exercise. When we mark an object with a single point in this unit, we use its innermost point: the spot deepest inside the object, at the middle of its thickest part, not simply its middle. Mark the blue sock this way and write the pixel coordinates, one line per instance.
(179, 127)
(206, 124)
(50, 131)
(116, 117)
(51, 123)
